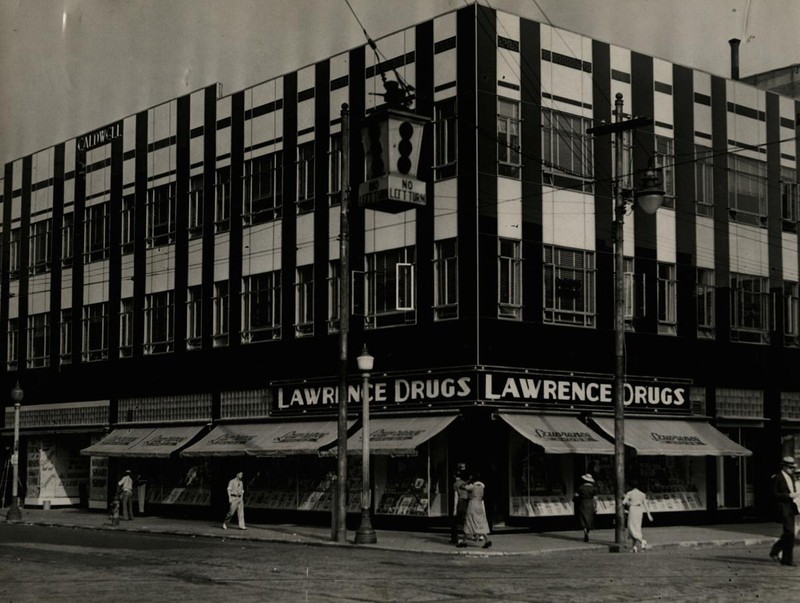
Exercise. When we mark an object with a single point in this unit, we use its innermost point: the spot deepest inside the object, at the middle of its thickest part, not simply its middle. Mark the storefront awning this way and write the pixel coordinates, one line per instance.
(398, 435)
(265, 439)
(118, 442)
(162, 442)
(674, 438)
(559, 434)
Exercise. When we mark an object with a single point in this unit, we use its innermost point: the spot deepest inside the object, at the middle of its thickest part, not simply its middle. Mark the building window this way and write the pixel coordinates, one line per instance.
(335, 155)
(305, 177)
(196, 201)
(14, 253)
(12, 343)
(445, 275)
(127, 216)
(96, 233)
(390, 290)
(161, 215)
(747, 190)
(444, 136)
(304, 299)
(65, 337)
(95, 332)
(665, 163)
(790, 199)
(67, 239)
(667, 299)
(333, 296)
(40, 246)
(629, 284)
(508, 139)
(194, 318)
(509, 279)
(38, 340)
(158, 322)
(221, 305)
(703, 180)
(566, 148)
(263, 188)
(749, 308)
(261, 307)
(791, 314)
(126, 328)
(706, 303)
(569, 286)
(222, 200)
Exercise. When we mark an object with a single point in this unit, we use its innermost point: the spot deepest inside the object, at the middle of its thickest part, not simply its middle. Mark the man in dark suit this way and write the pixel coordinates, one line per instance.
(787, 496)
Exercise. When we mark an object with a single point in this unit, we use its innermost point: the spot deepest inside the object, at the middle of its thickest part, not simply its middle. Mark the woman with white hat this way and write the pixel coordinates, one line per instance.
(586, 505)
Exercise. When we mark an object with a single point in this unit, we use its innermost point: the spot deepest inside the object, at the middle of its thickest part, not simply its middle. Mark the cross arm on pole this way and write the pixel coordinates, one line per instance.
(619, 126)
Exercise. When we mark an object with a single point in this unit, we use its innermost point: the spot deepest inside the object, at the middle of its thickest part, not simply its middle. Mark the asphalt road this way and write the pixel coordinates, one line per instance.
(48, 564)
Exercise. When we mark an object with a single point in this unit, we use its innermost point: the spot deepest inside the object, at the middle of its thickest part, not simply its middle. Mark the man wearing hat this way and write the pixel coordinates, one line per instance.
(125, 490)
(787, 495)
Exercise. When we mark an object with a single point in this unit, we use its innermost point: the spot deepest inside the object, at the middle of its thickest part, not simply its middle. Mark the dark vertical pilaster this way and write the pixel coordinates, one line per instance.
(357, 100)
(774, 217)
(235, 252)
(209, 179)
(722, 256)
(77, 246)
(24, 261)
(115, 242)
(140, 231)
(5, 280)
(56, 271)
(322, 132)
(182, 165)
(289, 223)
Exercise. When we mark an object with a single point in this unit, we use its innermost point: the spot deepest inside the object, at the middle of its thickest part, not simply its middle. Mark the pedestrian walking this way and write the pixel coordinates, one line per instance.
(460, 503)
(635, 501)
(125, 493)
(586, 504)
(236, 500)
(787, 496)
(476, 525)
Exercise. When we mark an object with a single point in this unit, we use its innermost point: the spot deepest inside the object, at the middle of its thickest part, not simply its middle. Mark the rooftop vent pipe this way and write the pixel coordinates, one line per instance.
(734, 58)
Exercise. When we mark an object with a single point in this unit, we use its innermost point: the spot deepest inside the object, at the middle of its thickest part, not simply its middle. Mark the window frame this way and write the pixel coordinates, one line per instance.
(161, 215)
(563, 134)
(263, 188)
(704, 180)
(758, 296)
(667, 298)
(509, 138)
(305, 177)
(95, 316)
(40, 246)
(126, 327)
(706, 295)
(791, 314)
(194, 317)
(261, 307)
(383, 287)
(757, 177)
(445, 138)
(509, 278)
(664, 157)
(221, 313)
(445, 279)
(38, 340)
(96, 232)
(554, 307)
(304, 301)
(159, 323)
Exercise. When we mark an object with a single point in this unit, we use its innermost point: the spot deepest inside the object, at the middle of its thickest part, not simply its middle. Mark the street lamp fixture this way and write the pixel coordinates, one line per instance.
(365, 534)
(14, 513)
(649, 197)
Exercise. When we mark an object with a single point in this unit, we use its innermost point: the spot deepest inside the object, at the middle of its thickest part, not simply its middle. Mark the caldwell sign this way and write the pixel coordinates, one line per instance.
(99, 137)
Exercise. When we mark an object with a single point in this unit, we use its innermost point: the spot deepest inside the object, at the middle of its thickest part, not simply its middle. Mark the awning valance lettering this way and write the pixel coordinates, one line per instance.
(559, 434)
(145, 442)
(674, 438)
(118, 442)
(398, 435)
(265, 439)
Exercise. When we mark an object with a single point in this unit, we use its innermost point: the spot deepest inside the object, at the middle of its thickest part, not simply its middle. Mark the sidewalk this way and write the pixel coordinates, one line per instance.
(506, 541)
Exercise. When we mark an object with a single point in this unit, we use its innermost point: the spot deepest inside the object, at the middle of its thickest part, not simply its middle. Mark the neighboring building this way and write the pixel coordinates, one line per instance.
(173, 277)
(784, 81)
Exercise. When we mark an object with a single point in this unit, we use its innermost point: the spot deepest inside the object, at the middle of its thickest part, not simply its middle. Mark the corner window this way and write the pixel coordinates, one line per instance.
(509, 277)
(569, 286)
(566, 148)
(390, 289)
(790, 199)
(445, 275)
(508, 138)
(444, 137)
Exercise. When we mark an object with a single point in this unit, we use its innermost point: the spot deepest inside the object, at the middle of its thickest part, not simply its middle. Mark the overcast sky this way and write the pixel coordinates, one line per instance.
(69, 66)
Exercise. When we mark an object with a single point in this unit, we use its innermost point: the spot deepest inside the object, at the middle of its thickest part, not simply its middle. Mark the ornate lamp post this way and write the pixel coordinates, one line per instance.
(365, 533)
(14, 512)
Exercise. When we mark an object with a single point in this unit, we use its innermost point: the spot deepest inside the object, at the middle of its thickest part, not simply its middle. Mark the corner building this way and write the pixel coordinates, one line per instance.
(170, 288)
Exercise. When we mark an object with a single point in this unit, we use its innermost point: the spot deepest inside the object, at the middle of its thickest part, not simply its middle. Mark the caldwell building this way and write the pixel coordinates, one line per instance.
(170, 286)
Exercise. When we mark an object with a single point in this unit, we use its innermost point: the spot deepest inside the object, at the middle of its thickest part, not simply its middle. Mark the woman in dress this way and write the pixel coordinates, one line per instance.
(476, 526)
(636, 502)
(586, 505)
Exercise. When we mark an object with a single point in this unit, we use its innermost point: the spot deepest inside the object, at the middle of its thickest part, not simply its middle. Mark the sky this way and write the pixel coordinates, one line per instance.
(70, 66)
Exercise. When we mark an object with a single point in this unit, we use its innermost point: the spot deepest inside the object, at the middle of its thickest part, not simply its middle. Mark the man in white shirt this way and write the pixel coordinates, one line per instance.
(236, 500)
(125, 488)
(787, 496)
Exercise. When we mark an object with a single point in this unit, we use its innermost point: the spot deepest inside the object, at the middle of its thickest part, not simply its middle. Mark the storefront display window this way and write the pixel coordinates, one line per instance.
(541, 484)
(735, 488)
(56, 471)
(183, 483)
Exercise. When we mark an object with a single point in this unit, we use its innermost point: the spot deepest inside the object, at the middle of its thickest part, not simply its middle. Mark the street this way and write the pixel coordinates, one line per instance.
(63, 564)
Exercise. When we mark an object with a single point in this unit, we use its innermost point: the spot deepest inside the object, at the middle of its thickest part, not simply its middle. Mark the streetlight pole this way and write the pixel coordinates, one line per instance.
(649, 196)
(14, 512)
(365, 533)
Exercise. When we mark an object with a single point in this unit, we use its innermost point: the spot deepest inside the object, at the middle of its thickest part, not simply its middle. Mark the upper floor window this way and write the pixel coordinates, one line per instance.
(750, 305)
(96, 232)
(445, 275)
(508, 138)
(127, 216)
(65, 337)
(95, 332)
(12, 343)
(665, 162)
(390, 288)
(67, 239)
(704, 180)
(629, 290)
(159, 322)
(221, 313)
(126, 328)
(335, 156)
(40, 246)
(38, 340)
(263, 188)
(222, 200)
(790, 199)
(304, 300)
(445, 140)
(14, 253)
(667, 299)
(261, 307)
(706, 303)
(305, 177)
(791, 314)
(161, 214)
(196, 201)
(194, 318)
(333, 296)
(569, 286)
(566, 148)
(747, 190)
(509, 279)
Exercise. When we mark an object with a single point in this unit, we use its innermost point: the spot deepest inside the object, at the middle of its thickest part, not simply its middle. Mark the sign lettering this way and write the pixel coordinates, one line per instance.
(99, 137)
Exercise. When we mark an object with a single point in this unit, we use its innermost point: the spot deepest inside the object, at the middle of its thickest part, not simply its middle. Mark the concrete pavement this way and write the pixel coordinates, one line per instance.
(505, 541)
